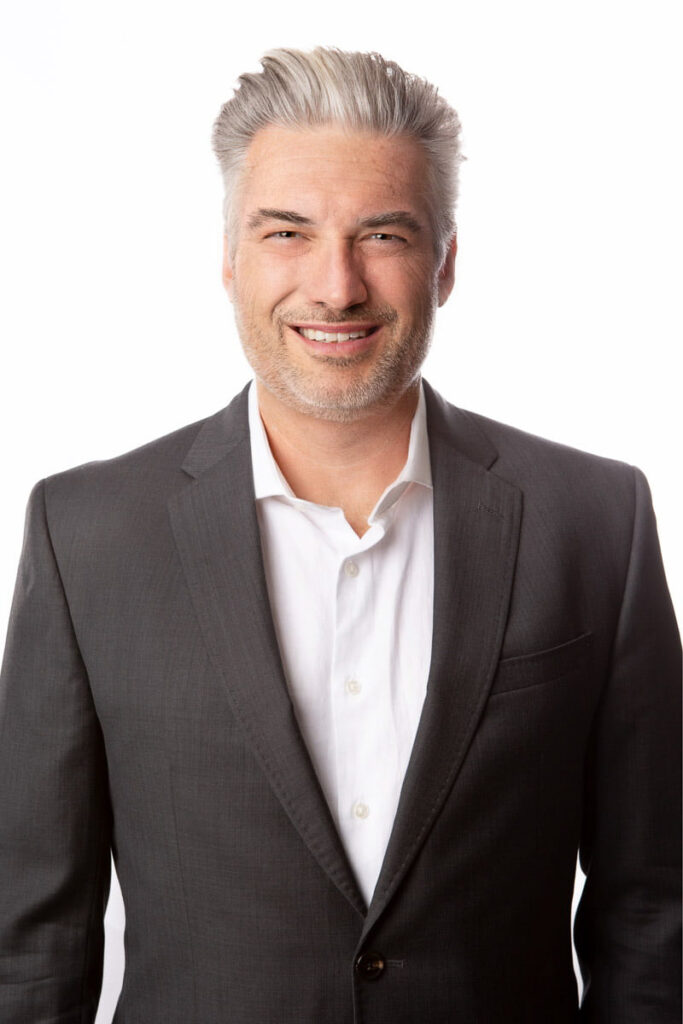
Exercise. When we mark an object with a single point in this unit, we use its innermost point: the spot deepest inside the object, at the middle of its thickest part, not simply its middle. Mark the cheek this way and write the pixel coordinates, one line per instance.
(262, 284)
(407, 285)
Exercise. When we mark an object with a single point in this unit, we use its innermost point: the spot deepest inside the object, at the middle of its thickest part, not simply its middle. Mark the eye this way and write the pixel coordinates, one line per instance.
(382, 236)
(283, 234)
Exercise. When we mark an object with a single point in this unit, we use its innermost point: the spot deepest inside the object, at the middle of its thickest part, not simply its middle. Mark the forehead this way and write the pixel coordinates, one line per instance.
(331, 170)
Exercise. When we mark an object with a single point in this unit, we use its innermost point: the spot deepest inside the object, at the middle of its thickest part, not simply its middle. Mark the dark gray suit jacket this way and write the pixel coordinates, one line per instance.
(145, 711)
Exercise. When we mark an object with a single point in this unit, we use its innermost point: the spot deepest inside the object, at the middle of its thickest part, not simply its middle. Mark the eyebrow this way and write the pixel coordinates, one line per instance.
(400, 218)
(268, 213)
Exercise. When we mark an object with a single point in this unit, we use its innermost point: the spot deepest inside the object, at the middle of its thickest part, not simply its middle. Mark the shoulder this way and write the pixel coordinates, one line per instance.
(152, 467)
(534, 461)
(563, 488)
(524, 459)
(139, 482)
(586, 508)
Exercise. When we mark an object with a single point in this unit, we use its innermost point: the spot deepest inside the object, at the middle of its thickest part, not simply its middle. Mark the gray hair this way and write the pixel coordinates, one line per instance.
(361, 91)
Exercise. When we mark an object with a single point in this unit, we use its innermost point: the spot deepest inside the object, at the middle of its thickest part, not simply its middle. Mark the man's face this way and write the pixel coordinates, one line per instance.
(334, 239)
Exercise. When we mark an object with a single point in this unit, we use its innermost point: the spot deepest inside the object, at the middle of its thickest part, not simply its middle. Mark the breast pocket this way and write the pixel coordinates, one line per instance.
(544, 666)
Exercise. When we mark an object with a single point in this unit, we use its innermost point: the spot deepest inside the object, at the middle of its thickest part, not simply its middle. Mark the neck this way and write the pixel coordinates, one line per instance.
(341, 465)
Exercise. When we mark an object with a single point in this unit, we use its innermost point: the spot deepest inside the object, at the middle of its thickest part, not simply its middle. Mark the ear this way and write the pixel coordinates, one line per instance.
(228, 270)
(447, 271)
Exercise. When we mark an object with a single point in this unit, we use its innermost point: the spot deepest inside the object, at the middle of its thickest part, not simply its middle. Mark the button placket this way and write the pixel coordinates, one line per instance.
(350, 668)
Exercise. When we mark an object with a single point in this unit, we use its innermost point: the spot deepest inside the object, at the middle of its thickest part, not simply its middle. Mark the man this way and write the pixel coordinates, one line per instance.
(342, 675)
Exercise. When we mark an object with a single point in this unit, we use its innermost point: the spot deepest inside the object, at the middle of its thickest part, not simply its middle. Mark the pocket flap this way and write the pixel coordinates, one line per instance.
(542, 666)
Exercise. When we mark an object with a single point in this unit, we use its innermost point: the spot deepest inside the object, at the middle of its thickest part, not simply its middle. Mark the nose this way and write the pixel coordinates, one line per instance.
(335, 278)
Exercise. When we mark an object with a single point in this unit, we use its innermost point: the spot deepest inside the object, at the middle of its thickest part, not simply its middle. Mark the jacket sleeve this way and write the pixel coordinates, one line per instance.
(54, 805)
(628, 923)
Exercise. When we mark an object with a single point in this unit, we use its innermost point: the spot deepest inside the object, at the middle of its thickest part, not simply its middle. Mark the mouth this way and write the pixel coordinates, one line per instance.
(332, 334)
(337, 338)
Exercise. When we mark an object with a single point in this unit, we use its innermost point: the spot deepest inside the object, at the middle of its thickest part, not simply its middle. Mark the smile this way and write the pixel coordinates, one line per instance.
(334, 335)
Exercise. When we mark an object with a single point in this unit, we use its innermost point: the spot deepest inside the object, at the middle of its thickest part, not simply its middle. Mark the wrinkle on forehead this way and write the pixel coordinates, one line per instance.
(359, 173)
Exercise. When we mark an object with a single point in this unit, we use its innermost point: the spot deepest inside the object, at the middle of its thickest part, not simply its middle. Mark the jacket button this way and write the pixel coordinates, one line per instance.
(370, 966)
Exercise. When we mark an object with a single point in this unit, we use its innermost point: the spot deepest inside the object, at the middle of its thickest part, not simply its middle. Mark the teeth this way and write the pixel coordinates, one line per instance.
(313, 335)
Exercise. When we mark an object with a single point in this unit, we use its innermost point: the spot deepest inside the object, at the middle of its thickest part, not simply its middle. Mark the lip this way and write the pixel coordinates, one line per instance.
(338, 348)
(337, 328)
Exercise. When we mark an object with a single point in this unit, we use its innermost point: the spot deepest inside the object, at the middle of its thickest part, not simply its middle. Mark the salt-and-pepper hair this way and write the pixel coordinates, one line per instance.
(360, 91)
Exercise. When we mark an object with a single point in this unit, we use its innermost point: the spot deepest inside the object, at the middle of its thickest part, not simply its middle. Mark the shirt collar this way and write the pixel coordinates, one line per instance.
(269, 481)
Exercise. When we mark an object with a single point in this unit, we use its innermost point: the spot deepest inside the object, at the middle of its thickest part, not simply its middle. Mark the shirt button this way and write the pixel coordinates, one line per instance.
(353, 686)
(361, 810)
(351, 568)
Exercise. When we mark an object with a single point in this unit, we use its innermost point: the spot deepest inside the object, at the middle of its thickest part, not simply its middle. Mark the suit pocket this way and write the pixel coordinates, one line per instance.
(543, 666)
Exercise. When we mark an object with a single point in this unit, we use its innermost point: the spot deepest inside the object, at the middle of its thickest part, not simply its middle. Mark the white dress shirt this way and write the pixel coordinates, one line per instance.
(353, 618)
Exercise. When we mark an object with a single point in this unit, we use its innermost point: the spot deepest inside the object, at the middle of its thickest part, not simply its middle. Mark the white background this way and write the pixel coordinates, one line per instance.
(565, 319)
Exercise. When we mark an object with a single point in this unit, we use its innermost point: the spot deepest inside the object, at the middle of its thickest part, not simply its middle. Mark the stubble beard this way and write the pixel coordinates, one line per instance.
(396, 368)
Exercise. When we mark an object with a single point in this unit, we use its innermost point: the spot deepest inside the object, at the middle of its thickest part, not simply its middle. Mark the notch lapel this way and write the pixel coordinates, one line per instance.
(216, 531)
(476, 531)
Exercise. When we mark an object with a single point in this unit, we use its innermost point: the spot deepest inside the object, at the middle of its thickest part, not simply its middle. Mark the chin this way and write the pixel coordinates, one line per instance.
(342, 405)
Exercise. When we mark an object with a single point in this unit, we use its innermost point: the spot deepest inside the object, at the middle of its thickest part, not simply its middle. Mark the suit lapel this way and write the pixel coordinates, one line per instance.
(216, 532)
(476, 529)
